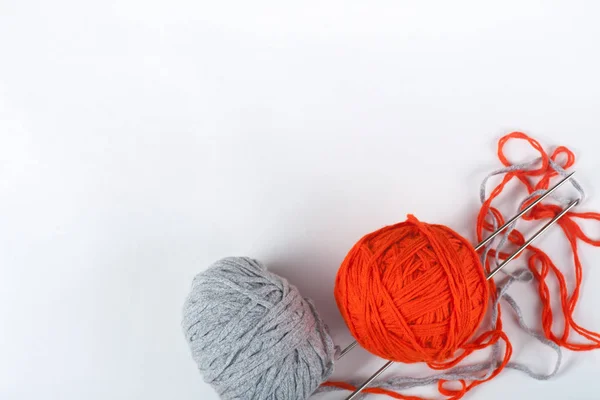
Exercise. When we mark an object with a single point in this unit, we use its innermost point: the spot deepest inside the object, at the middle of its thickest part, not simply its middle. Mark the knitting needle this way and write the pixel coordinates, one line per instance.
(493, 235)
(348, 349)
(525, 210)
(535, 236)
(491, 274)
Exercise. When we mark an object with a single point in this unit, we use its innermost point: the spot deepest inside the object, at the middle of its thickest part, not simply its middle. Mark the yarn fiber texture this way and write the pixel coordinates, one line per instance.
(253, 336)
(412, 292)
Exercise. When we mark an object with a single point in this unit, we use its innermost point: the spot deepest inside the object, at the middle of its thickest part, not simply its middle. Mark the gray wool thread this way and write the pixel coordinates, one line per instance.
(482, 370)
(253, 336)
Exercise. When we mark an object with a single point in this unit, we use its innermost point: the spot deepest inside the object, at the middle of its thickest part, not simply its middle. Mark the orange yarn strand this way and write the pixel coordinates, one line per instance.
(539, 262)
(415, 292)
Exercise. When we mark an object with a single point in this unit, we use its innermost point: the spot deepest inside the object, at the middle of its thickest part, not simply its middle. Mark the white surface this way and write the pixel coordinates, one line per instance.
(142, 140)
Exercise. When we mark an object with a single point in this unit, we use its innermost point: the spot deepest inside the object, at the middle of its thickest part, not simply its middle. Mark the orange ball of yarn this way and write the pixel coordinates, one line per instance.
(412, 292)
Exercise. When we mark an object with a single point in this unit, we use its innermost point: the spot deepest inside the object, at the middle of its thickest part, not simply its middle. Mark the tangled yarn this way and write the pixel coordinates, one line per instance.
(535, 178)
(252, 334)
(412, 292)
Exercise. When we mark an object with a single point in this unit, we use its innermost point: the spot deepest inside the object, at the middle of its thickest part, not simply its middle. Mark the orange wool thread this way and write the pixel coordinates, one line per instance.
(414, 292)
(539, 262)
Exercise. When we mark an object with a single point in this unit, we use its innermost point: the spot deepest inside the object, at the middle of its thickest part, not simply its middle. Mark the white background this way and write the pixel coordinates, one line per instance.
(142, 140)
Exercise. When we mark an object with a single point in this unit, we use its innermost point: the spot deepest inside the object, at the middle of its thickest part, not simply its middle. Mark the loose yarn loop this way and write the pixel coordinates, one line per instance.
(252, 334)
(539, 263)
(412, 292)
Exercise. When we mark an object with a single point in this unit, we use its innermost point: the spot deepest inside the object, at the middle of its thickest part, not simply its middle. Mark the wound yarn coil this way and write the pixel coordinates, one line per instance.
(253, 336)
(412, 292)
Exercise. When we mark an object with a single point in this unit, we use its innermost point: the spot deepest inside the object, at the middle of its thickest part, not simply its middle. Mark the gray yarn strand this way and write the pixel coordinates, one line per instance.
(528, 166)
(252, 334)
(482, 370)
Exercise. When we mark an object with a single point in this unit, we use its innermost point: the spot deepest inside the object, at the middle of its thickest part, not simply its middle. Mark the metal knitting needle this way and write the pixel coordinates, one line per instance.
(535, 236)
(491, 274)
(348, 349)
(524, 211)
(493, 235)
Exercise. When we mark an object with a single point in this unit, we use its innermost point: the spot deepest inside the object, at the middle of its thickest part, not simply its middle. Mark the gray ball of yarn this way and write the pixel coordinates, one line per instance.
(253, 335)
